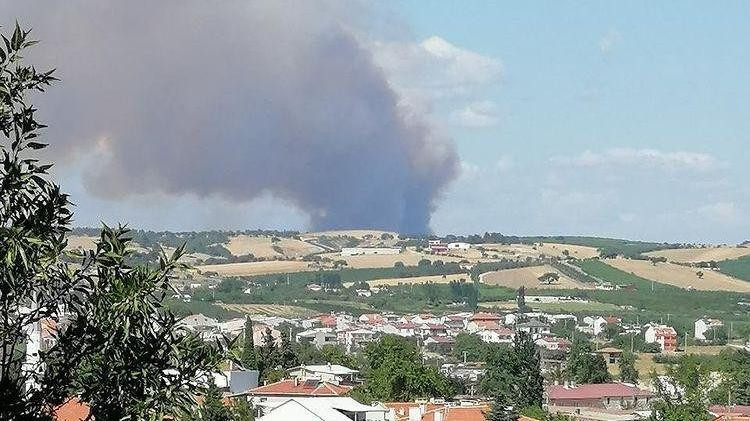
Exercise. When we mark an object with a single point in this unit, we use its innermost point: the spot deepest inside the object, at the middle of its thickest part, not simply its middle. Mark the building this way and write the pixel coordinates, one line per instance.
(440, 344)
(534, 328)
(603, 396)
(357, 338)
(611, 355)
(459, 246)
(704, 326)
(665, 336)
(599, 323)
(323, 409)
(553, 343)
(436, 411)
(330, 373)
(730, 413)
(318, 337)
(274, 394)
(498, 335)
(368, 251)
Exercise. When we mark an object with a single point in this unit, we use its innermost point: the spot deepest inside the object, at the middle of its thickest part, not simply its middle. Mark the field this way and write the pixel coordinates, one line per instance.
(79, 242)
(270, 310)
(738, 268)
(695, 255)
(575, 307)
(680, 276)
(436, 279)
(256, 268)
(645, 363)
(263, 247)
(408, 258)
(528, 277)
(360, 234)
(522, 251)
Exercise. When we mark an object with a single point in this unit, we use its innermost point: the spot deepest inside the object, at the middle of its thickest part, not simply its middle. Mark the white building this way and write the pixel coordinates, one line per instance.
(705, 325)
(331, 373)
(459, 246)
(324, 409)
(318, 337)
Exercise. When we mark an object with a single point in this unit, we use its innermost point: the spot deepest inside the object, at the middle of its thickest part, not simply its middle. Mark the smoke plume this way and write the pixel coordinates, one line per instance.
(235, 99)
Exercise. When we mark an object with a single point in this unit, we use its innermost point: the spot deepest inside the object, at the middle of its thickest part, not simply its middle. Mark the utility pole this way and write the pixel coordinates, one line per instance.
(631, 342)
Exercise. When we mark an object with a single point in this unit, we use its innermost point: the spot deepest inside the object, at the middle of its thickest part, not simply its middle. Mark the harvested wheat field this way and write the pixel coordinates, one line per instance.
(680, 276)
(695, 255)
(257, 268)
(529, 278)
(270, 310)
(548, 249)
(435, 279)
(408, 258)
(263, 247)
(360, 234)
(77, 242)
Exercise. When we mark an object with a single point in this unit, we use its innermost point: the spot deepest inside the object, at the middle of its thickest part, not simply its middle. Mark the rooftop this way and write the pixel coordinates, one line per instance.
(301, 388)
(594, 391)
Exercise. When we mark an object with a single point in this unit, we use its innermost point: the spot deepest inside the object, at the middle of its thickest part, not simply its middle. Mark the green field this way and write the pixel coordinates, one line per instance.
(605, 245)
(563, 307)
(738, 268)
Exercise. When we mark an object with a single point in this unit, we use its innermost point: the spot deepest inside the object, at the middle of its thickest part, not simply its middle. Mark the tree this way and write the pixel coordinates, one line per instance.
(628, 373)
(123, 352)
(699, 274)
(682, 394)
(243, 410)
(470, 346)
(249, 358)
(528, 372)
(395, 372)
(213, 409)
(549, 278)
(501, 410)
(585, 367)
(269, 355)
(287, 356)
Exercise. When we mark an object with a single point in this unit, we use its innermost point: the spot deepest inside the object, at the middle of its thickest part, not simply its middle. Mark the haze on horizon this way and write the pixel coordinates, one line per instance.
(610, 119)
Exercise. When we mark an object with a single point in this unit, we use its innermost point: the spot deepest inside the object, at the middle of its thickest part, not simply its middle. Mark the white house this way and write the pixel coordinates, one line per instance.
(459, 246)
(665, 336)
(324, 409)
(319, 337)
(705, 325)
(331, 373)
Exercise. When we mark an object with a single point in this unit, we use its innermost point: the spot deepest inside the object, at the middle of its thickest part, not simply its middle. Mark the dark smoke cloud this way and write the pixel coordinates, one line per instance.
(234, 99)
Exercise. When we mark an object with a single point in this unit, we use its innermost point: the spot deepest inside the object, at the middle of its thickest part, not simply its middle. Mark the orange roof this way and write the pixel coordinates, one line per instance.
(72, 410)
(458, 413)
(301, 388)
(485, 316)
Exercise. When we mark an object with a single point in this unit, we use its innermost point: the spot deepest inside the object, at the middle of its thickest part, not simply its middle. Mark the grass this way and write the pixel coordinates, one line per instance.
(564, 307)
(605, 245)
(737, 268)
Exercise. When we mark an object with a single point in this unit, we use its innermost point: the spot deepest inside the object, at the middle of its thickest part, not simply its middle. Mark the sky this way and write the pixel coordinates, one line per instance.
(619, 119)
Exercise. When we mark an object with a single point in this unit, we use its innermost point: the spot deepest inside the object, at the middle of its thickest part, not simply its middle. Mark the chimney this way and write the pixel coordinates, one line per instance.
(296, 381)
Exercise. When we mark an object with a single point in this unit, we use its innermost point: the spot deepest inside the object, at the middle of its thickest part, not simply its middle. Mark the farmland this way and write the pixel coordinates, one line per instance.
(435, 279)
(559, 307)
(256, 268)
(680, 276)
(517, 251)
(738, 268)
(707, 254)
(269, 309)
(529, 277)
(269, 247)
(408, 258)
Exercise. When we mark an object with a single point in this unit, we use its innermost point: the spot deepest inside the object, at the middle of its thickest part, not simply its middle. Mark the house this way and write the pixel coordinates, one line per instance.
(407, 329)
(319, 337)
(364, 293)
(323, 409)
(553, 343)
(604, 396)
(357, 338)
(465, 371)
(498, 335)
(72, 410)
(665, 336)
(274, 394)
(315, 287)
(236, 381)
(534, 328)
(459, 246)
(705, 325)
(611, 355)
(330, 373)
(372, 319)
(436, 411)
(432, 329)
(441, 344)
(730, 413)
(599, 323)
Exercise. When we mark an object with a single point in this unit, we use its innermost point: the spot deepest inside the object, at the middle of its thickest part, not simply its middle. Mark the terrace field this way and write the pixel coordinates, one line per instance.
(707, 254)
(680, 276)
(528, 277)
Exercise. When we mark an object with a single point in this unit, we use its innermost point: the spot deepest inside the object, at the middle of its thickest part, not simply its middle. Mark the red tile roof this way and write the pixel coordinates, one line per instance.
(733, 410)
(72, 410)
(485, 316)
(458, 413)
(594, 391)
(301, 388)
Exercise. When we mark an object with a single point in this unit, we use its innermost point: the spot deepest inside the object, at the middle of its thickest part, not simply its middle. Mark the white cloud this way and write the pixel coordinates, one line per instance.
(720, 211)
(677, 160)
(434, 70)
(477, 114)
(608, 42)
